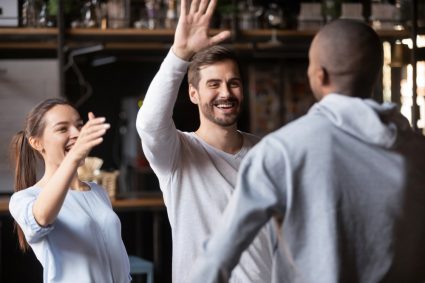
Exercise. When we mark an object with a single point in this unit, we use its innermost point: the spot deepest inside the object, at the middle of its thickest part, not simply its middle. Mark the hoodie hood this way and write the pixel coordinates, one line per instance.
(373, 123)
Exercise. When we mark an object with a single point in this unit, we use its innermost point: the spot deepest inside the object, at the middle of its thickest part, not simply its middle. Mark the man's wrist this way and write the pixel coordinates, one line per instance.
(181, 53)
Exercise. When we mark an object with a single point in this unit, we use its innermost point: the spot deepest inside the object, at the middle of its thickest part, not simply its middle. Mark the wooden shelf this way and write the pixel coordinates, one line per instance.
(32, 45)
(120, 32)
(168, 32)
(130, 38)
(28, 31)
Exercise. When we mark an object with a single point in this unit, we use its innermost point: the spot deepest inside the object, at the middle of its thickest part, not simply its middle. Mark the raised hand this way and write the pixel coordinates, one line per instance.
(192, 28)
(90, 135)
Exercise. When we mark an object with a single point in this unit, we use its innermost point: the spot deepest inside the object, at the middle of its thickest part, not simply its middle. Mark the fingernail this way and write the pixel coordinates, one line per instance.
(102, 119)
(107, 126)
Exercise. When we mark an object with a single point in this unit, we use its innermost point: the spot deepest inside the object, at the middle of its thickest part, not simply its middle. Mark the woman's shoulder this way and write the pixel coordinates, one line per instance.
(23, 197)
(28, 192)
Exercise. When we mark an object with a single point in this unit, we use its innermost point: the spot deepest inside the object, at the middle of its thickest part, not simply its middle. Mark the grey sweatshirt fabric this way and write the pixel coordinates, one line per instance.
(349, 180)
(196, 179)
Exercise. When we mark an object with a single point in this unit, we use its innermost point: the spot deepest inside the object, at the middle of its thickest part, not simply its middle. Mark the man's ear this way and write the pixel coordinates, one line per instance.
(36, 144)
(193, 94)
(323, 76)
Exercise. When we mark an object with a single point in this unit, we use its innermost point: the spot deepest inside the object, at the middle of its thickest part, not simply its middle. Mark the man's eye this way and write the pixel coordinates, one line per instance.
(79, 126)
(235, 84)
(62, 130)
(213, 84)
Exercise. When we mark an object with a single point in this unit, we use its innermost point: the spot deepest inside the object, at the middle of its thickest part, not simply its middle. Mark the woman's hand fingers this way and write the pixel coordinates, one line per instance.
(93, 143)
(95, 121)
(90, 136)
(91, 116)
(93, 130)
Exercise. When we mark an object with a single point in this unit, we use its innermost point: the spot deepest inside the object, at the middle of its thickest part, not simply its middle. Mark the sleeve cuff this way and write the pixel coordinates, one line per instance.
(175, 62)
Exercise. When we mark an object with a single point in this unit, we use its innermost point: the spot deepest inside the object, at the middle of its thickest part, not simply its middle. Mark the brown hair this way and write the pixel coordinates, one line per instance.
(24, 157)
(206, 57)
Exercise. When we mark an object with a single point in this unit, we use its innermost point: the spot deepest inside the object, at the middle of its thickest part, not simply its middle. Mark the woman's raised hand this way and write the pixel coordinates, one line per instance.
(91, 134)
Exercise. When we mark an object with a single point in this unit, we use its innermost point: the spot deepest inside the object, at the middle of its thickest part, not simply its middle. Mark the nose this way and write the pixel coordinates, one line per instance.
(74, 132)
(225, 91)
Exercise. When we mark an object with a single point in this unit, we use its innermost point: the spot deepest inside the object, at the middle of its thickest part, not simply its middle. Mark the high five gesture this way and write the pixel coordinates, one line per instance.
(193, 27)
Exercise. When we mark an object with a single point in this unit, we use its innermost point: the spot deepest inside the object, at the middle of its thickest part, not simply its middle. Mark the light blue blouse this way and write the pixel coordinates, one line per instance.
(84, 243)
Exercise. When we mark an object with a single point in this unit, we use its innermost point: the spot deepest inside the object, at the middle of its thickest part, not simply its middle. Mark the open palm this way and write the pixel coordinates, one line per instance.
(193, 26)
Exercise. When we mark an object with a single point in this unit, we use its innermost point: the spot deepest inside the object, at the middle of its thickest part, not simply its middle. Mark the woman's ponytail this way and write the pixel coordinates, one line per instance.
(24, 157)
(25, 162)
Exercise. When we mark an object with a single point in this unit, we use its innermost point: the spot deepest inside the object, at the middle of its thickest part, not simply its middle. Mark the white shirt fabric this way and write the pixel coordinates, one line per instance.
(83, 244)
(196, 179)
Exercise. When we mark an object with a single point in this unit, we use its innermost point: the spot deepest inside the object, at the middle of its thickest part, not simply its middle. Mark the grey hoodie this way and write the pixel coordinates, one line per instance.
(348, 179)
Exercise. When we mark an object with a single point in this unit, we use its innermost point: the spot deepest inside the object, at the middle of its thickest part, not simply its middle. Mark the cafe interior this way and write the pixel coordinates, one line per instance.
(101, 56)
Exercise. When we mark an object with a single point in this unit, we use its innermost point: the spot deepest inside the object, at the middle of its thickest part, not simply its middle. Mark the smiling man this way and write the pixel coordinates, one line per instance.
(197, 170)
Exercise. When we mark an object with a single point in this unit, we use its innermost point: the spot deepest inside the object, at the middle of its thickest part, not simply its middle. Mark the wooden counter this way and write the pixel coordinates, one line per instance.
(149, 202)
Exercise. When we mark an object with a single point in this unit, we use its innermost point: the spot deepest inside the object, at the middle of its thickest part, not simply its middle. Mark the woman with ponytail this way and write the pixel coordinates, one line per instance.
(69, 224)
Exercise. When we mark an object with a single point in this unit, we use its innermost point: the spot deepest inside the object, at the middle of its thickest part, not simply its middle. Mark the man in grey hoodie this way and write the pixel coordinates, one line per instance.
(348, 179)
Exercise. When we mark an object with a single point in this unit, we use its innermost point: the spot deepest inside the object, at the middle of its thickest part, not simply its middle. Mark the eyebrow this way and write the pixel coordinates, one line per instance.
(66, 123)
(213, 80)
(219, 80)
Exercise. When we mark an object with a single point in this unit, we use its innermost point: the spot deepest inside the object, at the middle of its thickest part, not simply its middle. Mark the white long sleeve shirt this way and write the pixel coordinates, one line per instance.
(196, 179)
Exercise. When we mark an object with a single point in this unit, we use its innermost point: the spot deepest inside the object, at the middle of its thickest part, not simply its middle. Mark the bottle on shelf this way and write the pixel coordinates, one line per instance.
(90, 14)
(31, 10)
(117, 14)
(171, 15)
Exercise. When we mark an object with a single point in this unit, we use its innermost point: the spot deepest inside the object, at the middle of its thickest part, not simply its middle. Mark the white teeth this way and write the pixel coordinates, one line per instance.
(226, 105)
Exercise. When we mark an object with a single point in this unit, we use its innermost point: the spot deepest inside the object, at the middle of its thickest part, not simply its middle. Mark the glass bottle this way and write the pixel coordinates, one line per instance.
(31, 12)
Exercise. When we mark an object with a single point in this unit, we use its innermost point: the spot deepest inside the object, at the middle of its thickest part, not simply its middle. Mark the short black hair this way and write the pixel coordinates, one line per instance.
(351, 51)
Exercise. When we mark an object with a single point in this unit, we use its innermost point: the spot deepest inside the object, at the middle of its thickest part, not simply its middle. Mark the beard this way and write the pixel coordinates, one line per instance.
(223, 119)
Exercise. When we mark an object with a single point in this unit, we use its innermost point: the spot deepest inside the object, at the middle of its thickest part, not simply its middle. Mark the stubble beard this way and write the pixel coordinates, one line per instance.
(226, 121)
